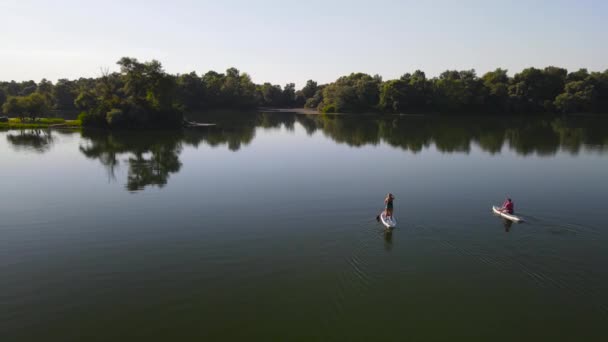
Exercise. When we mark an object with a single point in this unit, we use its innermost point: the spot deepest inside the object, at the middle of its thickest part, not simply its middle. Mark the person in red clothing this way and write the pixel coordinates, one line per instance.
(507, 207)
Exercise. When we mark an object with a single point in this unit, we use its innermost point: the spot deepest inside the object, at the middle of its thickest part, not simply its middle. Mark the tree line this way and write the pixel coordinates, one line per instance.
(142, 94)
(548, 90)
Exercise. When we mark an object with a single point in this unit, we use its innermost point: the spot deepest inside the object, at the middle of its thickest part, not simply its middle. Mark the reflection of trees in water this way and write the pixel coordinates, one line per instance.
(533, 138)
(353, 132)
(308, 122)
(153, 170)
(36, 140)
(152, 157)
(574, 132)
(452, 138)
(412, 136)
(571, 138)
(542, 136)
(490, 142)
(276, 120)
(235, 136)
(413, 133)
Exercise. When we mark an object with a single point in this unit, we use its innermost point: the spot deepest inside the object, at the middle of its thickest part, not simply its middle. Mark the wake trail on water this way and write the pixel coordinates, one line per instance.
(359, 275)
(558, 225)
(536, 272)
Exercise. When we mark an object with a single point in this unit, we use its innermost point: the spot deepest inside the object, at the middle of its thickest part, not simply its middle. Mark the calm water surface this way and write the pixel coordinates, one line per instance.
(263, 229)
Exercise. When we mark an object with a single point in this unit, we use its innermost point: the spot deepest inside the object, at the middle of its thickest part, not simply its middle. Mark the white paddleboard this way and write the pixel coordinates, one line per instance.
(510, 217)
(389, 222)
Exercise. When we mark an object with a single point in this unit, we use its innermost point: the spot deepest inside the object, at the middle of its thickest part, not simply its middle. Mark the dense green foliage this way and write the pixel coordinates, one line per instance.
(142, 94)
(354, 93)
(550, 90)
(30, 106)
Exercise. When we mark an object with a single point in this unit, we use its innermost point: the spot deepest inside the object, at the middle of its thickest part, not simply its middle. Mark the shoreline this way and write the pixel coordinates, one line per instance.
(43, 123)
(61, 123)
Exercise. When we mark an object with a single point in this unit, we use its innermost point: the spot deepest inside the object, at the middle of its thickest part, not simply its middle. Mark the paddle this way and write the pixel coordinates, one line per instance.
(378, 216)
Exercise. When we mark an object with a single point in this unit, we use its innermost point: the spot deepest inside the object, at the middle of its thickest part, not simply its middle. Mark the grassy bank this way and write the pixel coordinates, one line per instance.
(16, 123)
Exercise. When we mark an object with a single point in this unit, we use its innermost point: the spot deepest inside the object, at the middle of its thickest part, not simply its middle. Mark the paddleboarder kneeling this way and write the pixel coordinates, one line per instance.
(507, 207)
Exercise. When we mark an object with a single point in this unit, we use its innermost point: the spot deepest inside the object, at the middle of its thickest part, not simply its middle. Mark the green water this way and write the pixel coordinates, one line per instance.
(263, 229)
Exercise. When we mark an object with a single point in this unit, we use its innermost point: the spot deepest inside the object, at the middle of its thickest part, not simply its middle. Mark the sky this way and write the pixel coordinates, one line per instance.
(293, 41)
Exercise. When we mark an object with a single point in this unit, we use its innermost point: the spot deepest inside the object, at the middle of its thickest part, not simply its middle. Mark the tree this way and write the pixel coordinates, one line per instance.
(86, 100)
(26, 88)
(497, 87)
(300, 99)
(420, 90)
(579, 75)
(231, 90)
(394, 96)
(31, 106)
(141, 95)
(534, 90)
(410, 93)
(231, 87)
(316, 100)
(36, 105)
(578, 97)
(2, 99)
(64, 94)
(309, 89)
(270, 95)
(45, 88)
(353, 93)
(600, 83)
(12, 89)
(213, 83)
(190, 91)
(247, 91)
(458, 91)
(12, 106)
(289, 95)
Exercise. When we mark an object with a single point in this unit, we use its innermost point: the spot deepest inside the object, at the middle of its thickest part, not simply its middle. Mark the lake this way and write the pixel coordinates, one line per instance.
(263, 229)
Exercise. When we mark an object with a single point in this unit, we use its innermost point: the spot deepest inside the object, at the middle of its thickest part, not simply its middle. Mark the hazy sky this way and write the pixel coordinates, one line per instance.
(292, 41)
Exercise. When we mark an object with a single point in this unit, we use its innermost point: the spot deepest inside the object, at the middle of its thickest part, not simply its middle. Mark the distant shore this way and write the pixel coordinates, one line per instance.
(16, 123)
(289, 110)
(143, 95)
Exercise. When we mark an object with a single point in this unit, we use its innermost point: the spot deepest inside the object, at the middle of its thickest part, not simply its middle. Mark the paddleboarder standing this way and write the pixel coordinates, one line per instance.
(388, 205)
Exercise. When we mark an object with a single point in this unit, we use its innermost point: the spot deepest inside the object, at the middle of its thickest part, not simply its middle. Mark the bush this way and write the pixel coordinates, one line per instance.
(116, 117)
(314, 101)
(32, 106)
(329, 109)
(91, 120)
(52, 121)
